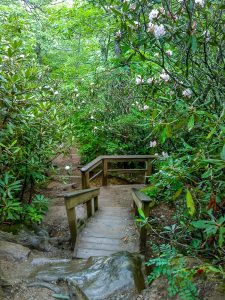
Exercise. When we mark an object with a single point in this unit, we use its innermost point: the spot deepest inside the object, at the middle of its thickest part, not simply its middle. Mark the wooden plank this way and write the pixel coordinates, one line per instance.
(92, 165)
(148, 170)
(96, 175)
(76, 198)
(97, 161)
(71, 215)
(98, 222)
(104, 227)
(86, 253)
(103, 234)
(105, 172)
(98, 246)
(127, 170)
(89, 208)
(141, 196)
(100, 240)
(80, 192)
(95, 203)
(85, 180)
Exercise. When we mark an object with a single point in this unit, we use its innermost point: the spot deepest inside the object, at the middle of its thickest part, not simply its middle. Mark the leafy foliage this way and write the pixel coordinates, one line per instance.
(172, 266)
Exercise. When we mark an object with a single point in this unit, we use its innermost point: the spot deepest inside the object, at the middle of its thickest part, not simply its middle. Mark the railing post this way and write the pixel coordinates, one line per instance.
(85, 180)
(71, 215)
(89, 208)
(95, 203)
(148, 171)
(105, 172)
(143, 230)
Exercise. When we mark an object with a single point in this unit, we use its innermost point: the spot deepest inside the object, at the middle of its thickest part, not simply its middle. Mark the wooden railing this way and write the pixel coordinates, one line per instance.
(88, 196)
(143, 202)
(103, 162)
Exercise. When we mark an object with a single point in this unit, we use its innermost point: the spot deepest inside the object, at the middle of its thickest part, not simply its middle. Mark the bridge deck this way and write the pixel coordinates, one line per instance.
(112, 228)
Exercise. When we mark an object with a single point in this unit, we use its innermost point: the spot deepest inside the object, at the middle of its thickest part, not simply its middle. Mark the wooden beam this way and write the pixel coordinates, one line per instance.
(89, 208)
(127, 170)
(75, 198)
(143, 202)
(148, 170)
(85, 180)
(96, 175)
(105, 172)
(71, 215)
(95, 203)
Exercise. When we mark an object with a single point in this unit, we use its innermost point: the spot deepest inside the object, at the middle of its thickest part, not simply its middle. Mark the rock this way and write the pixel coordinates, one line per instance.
(46, 285)
(76, 292)
(99, 277)
(27, 238)
(12, 251)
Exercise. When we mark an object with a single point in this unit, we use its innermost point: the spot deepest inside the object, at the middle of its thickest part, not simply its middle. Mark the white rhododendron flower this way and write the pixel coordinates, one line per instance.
(75, 90)
(118, 34)
(150, 80)
(159, 31)
(153, 14)
(67, 168)
(56, 93)
(153, 144)
(146, 107)
(169, 52)
(137, 23)
(187, 93)
(139, 79)
(200, 2)
(165, 77)
(165, 154)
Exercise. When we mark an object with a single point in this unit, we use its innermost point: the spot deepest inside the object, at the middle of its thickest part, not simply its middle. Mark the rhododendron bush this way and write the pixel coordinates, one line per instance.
(176, 54)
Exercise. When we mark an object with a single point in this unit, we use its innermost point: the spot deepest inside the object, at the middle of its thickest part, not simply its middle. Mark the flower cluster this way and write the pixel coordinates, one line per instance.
(153, 144)
(187, 93)
(165, 77)
(139, 80)
(200, 2)
(158, 30)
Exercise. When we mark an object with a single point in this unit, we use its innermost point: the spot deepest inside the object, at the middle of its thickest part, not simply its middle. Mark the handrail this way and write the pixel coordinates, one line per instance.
(75, 198)
(95, 162)
(103, 160)
(142, 201)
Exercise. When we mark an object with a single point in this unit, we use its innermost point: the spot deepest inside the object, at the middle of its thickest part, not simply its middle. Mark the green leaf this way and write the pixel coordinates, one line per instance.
(193, 43)
(221, 236)
(163, 135)
(191, 123)
(207, 174)
(177, 194)
(141, 213)
(190, 203)
(211, 133)
(222, 154)
(199, 224)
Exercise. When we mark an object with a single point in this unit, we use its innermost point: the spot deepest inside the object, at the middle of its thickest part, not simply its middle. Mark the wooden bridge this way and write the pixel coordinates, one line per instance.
(111, 209)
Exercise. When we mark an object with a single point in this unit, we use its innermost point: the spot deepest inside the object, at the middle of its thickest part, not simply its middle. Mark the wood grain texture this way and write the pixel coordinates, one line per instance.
(112, 228)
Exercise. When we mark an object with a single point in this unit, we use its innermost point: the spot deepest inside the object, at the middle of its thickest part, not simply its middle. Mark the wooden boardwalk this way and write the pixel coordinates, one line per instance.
(112, 228)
